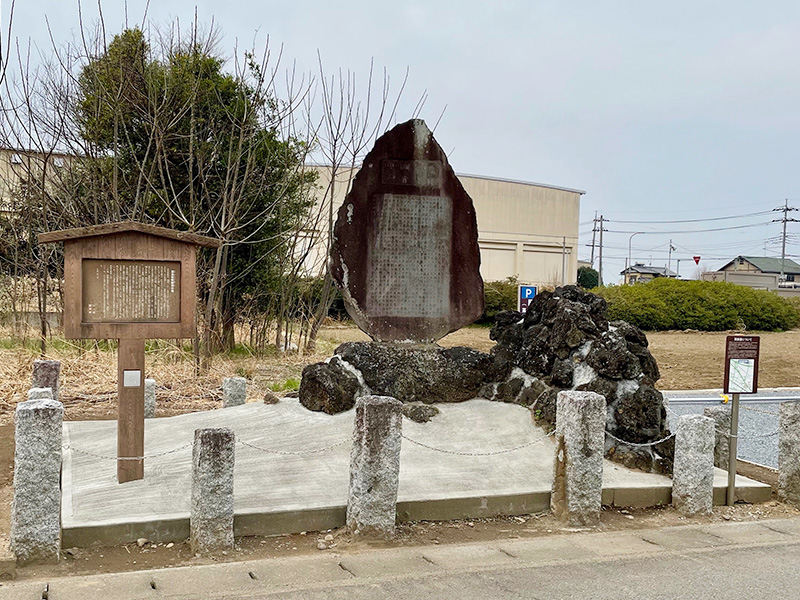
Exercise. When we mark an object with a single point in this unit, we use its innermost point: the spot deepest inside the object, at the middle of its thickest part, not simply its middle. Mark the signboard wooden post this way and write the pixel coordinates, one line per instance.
(741, 377)
(131, 282)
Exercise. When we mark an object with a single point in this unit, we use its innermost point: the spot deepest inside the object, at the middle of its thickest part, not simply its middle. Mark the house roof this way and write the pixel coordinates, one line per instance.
(125, 226)
(650, 270)
(768, 264)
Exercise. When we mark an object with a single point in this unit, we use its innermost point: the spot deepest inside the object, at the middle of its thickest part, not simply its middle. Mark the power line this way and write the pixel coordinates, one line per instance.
(683, 231)
(755, 214)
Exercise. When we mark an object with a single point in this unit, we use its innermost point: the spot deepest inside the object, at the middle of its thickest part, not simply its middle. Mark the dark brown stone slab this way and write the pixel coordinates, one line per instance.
(405, 250)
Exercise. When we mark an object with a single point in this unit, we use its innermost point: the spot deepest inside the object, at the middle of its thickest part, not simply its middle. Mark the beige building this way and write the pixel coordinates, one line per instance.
(21, 169)
(525, 230)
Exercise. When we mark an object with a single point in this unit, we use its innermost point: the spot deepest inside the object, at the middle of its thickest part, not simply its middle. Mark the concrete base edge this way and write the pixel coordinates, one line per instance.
(295, 521)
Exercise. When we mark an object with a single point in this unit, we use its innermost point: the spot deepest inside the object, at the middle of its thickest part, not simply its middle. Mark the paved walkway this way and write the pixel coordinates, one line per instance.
(724, 560)
(283, 484)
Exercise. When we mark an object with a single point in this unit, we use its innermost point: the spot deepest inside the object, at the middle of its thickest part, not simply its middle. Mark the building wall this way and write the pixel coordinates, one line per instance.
(745, 267)
(751, 278)
(21, 169)
(525, 230)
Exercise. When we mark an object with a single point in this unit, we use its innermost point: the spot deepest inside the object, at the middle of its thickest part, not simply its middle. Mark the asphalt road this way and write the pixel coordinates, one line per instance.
(725, 560)
(739, 574)
(758, 418)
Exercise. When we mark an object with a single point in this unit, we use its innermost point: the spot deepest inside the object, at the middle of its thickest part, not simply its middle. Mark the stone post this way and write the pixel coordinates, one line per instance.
(149, 398)
(789, 453)
(234, 391)
(693, 470)
(36, 507)
(46, 374)
(40, 393)
(722, 429)
(211, 518)
(580, 444)
(375, 467)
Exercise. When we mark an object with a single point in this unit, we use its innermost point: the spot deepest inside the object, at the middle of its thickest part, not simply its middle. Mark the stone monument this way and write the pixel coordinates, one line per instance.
(405, 249)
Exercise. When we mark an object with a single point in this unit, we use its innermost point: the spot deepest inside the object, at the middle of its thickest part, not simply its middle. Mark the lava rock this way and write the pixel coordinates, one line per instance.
(329, 387)
(565, 341)
(420, 413)
(425, 374)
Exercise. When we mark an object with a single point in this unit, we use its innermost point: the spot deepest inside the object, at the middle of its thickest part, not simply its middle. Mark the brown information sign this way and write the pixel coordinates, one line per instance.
(741, 364)
(131, 291)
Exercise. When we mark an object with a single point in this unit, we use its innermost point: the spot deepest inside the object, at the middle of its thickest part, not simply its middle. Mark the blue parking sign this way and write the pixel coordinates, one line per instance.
(525, 295)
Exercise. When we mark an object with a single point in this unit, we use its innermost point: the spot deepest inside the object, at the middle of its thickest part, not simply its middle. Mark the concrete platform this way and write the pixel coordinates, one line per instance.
(305, 490)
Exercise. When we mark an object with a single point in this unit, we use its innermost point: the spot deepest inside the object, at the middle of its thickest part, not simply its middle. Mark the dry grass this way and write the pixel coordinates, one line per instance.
(89, 377)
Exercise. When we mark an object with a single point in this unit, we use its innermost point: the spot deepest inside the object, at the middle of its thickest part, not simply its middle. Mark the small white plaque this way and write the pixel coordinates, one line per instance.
(131, 379)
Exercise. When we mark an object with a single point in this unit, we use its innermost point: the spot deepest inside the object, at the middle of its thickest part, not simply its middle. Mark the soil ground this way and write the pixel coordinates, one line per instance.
(687, 360)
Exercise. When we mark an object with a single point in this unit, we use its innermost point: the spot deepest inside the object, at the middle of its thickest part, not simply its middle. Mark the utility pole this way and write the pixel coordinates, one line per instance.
(785, 209)
(594, 233)
(600, 265)
(669, 258)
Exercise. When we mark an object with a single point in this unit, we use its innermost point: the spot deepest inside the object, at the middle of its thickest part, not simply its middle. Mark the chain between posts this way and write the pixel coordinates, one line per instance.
(760, 410)
(405, 437)
(189, 445)
(104, 457)
(290, 453)
(637, 445)
(492, 453)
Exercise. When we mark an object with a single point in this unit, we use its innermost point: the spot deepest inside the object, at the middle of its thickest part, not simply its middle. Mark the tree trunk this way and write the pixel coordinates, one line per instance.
(205, 365)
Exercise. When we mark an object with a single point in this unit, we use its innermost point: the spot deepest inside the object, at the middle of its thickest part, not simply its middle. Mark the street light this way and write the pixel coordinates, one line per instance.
(630, 264)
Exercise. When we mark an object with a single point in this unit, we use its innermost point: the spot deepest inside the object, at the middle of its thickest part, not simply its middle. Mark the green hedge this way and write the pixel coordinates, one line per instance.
(499, 296)
(703, 305)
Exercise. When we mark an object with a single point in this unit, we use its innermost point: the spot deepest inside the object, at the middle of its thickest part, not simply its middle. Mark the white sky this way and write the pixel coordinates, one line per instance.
(669, 110)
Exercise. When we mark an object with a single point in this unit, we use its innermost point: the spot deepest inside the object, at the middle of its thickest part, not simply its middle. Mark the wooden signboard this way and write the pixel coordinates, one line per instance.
(131, 282)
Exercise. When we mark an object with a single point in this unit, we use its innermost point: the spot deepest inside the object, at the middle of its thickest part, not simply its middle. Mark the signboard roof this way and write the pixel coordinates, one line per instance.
(126, 226)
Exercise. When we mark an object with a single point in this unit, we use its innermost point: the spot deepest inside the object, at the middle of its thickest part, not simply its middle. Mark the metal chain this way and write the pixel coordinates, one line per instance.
(635, 445)
(763, 412)
(493, 453)
(104, 457)
(289, 453)
(756, 437)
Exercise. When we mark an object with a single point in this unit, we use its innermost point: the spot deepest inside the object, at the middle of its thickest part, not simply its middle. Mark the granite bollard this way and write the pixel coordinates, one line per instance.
(40, 393)
(234, 391)
(789, 453)
(693, 471)
(149, 398)
(375, 467)
(46, 374)
(580, 438)
(211, 517)
(36, 508)
(722, 429)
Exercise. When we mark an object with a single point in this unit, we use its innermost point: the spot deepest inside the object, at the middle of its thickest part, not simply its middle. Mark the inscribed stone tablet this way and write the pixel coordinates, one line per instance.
(409, 264)
(405, 249)
(131, 291)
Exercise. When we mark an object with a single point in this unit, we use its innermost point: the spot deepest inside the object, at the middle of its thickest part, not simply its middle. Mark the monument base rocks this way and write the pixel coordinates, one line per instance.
(563, 342)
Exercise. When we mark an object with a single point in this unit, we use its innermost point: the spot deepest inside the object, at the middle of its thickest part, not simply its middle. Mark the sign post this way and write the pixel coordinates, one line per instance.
(130, 282)
(741, 377)
(525, 293)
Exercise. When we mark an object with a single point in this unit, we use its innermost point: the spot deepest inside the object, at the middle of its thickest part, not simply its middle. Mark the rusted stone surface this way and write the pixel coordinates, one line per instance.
(405, 250)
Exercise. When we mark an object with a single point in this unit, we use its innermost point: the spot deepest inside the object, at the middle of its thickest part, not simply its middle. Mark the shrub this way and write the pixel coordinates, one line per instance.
(588, 278)
(703, 305)
(499, 296)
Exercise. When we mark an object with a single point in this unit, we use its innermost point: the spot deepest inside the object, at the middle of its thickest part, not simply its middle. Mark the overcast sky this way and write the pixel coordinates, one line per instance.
(660, 111)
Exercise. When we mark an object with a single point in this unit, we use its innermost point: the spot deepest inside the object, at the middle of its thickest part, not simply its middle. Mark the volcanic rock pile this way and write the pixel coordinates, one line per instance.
(563, 342)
